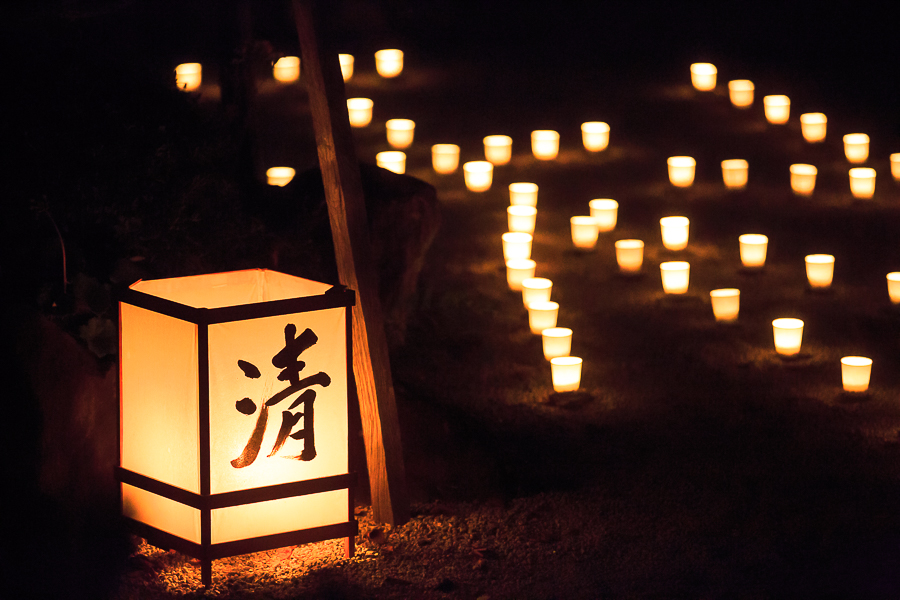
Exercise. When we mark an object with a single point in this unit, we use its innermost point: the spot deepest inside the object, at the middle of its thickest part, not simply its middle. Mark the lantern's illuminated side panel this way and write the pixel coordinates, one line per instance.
(274, 516)
(161, 512)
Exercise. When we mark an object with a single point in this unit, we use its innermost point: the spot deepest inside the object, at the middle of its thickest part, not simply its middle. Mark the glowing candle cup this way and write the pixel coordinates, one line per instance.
(813, 126)
(675, 232)
(726, 304)
(803, 179)
(280, 176)
(360, 111)
(445, 158)
(862, 182)
(542, 315)
(819, 270)
(516, 245)
(346, 61)
(566, 373)
(523, 193)
(681, 170)
(536, 289)
(286, 69)
(584, 232)
(893, 283)
(389, 63)
(605, 211)
(703, 76)
(595, 135)
(895, 165)
(188, 76)
(740, 91)
(856, 147)
(392, 160)
(544, 144)
(676, 276)
(777, 108)
(630, 256)
(753, 250)
(556, 341)
(521, 218)
(517, 271)
(400, 132)
(855, 373)
(734, 173)
(498, 149)
(788, 335)
(478, 174)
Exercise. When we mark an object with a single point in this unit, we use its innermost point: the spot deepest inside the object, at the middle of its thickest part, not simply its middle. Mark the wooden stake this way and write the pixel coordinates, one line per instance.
(349, 229)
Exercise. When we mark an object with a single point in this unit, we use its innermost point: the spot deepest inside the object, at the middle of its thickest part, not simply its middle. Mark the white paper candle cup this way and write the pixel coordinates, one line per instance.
(681, 170)
(556, 341)
(544, 144)
(803, 179)
(517, 271)
(400, 132)
(855, 373)
(360, 111)
(445, 158)
(523, 193)
(565, 372)
(740, 92)
(389, 63)
(595, 135)
(788, 335)
(280, 176)
(895, 165)
(286, 69)
(605, 211)
(856, 147)
(521, 218)
(516, 245)
(536, 289)
(498, 149)
(585, 230)
(675, 232)
(630, 256)
(819, 270)
(188, 76)
(346, 61)
(753, 250)
(542, 315)
(862, 182)
(893, 283)
(676, 275)
(734, 173)
(478, 174)
(813, 126)
(777, 108)
(703, 76)
(726, 303)
(392, 160)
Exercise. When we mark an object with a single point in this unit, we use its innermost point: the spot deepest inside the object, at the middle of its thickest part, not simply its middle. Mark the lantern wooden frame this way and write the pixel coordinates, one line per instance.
(205, 501)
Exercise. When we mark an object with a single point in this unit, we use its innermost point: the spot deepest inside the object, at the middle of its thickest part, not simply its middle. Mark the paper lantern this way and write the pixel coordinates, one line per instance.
(585, 230)
(753, 250)
(517, 271)
(280, 176)
(895, 165)
(445, 158)
(565, 372)
(856, 147)
(595, 135)
(400, 132)
(813, 126)
(803, 179)
(204, 360)
(630, 256)
(542, 315)
(516, 245)
(521, 218)
(862, 182)
(675, 231)
(855, 373)
(676, 275)
(346, 61)
(389, 63)
(286, 69)
(893, 283)
(556, 341)
(777, 108)
(605, 211)
(360, 111)
(523, 193)
(498, 149)
(544, 144)
(681, 170)
(392, 160)
(788, 335)
(536, 289)
(703, 76)
(734, 173)
(819, 270)
(478, 175)
(188, 76)
(726, 303)
(740, 91)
